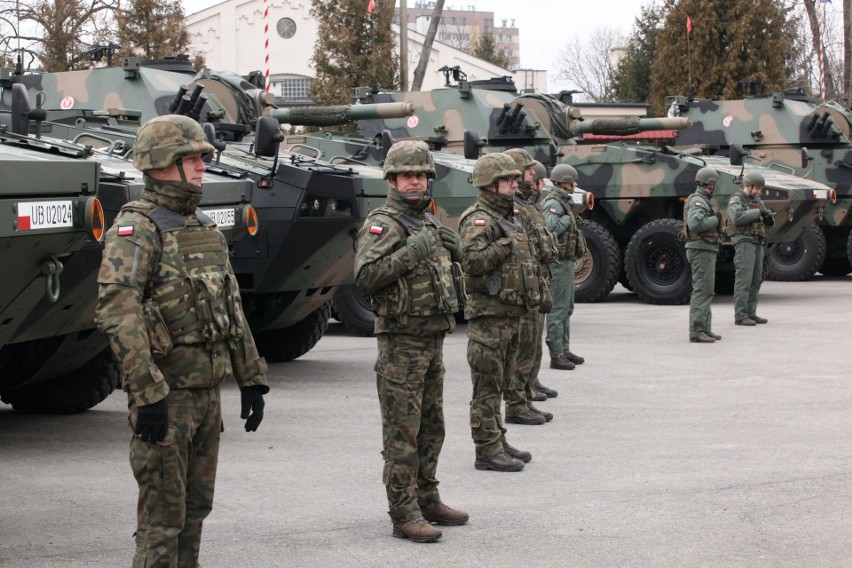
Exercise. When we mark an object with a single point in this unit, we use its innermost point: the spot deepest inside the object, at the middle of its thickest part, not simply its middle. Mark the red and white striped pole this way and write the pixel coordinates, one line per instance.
(266, 41)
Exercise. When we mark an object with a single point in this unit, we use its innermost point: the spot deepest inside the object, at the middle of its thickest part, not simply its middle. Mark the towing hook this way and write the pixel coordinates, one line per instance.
(51, 269)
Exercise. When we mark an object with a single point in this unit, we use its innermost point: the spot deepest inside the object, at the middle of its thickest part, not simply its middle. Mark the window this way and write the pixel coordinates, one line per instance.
(291, 89)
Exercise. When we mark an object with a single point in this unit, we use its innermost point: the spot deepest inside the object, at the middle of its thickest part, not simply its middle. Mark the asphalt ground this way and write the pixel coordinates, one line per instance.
(661, 453)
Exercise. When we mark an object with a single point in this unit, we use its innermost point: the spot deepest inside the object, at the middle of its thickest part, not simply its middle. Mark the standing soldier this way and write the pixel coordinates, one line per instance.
(170, 305)
(520, 392)
(502, 286)
(571, 245)
(702, 227)
(748, 219)
(406, 262)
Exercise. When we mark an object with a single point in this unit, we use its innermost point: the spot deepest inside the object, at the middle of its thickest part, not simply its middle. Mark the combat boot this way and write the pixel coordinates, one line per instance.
(702, 338)
(443, 515)
(538, 396)
(745, 321)
(757, 319)
(561, 363)
(548, 392)
(548, 416)
(714, 336)
(576, 359)
(416, 530)
(514, 452)
(501, 461)
(527, 417)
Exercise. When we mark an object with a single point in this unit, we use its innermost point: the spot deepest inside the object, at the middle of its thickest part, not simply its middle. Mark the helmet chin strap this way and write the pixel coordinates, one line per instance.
(179, 164)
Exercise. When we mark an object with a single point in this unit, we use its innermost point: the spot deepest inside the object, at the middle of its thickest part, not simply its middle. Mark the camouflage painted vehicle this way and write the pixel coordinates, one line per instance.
(785, 131)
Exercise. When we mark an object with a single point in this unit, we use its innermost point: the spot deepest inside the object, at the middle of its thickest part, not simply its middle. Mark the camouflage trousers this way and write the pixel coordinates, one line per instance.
(559, 318)
(748, 262)
(703, 265)
(492, 348)
(410, 382)
(176, 479)
(527, 364)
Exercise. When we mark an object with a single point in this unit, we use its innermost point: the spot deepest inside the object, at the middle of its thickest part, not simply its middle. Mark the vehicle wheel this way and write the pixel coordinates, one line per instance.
(596, 272)
(799, 259)
(656, 263)
(849, 247)
(835, 267)
(353, 309)
(290, 343)
(75, 392)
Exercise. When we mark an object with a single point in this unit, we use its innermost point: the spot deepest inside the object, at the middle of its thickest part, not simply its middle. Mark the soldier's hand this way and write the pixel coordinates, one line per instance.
(152, 422)
(252, 407)
(768, 219)
(452, 242)
(422, 243)
(719, 218)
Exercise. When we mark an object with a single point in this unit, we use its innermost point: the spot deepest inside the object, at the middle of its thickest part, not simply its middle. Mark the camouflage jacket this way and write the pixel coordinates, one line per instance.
(700, 222)
(745, 220)
(501, 277)
(168, 302)
(409, 296)
(565, 225)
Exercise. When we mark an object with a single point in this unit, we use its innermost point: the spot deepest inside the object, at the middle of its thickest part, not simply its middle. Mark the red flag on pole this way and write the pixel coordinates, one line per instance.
(371, 5)
(688, 25)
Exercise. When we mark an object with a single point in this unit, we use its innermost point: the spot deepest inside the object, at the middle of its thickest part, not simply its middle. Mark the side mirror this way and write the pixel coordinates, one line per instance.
(21, 111)
(736, 154)
(806, 157)
(267, 137)
(210, 133)
(387, 142)
(472, 144)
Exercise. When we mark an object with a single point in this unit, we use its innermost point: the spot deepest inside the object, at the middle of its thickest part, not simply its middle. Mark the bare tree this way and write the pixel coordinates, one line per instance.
(420, 71)
(589, 64)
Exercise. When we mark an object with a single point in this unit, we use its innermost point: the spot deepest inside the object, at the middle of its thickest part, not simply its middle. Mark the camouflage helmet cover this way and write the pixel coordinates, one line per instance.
(564, 173)
(409, 156)
(163, 139)
(754, 178)
(540, 170)
(522, 158)
(492, 167)
(706, 175)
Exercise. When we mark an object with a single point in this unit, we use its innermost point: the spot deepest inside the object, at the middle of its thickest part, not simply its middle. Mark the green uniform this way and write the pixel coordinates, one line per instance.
(749, 236)
(414, 300)
(502, 286)
(570, 246)
(170, 306)
(528, 362)
(702, 248)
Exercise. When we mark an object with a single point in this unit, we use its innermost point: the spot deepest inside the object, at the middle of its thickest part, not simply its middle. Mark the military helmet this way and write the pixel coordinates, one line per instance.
(706, 175)
(409, 156)
(522, 158)
(540, 170)
(754, 178)
(563, 173)
(492, 167)
(164, 139)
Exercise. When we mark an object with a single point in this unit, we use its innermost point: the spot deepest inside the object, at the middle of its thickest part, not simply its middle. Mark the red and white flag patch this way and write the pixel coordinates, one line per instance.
(698, 204)
(125, 230)
(517, 211)
(479, 223)
(376, 229)
(552, 210)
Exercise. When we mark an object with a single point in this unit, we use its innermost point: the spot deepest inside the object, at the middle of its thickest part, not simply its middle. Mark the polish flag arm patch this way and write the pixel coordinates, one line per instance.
(552, 210)
(479, 223)
(376, 230)
(698, 204)
(124, 230)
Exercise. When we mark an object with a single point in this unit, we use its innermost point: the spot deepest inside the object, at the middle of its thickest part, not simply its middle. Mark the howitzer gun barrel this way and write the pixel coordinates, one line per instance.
(627, 126)
(341, 114)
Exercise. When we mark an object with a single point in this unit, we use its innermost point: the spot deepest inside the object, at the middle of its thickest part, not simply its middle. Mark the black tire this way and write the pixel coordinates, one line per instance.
(800, 259)
(656, 263)
(353, 310)
(281, 345)
(75, 392)
(838, 266)
(849, 247)
(596, 272)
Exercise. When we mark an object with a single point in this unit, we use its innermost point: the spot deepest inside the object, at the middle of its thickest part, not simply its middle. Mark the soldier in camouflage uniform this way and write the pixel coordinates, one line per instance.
(170, 306)
(519, 394)
(407, 262)
(502, 285)
(748, 219)
(701, 225)
(571, 245)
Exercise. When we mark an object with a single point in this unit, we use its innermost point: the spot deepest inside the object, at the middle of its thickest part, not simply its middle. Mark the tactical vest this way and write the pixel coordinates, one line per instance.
(543, 242)
(516, 281)
(571, 244)
(433, 287)
(190, 297)
(712, 236)
(754, 229)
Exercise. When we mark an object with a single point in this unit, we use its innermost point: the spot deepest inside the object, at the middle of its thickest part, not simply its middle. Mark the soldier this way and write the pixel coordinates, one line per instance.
(170, 305)
(501, 287)
(406, 261)
(571, 245)
(520, 392)
(748, 219)
(701, 225)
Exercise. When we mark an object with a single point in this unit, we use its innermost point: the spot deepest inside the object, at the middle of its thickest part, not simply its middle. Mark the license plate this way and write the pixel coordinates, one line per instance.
(222, 217)
(820, 194)
(34, 215)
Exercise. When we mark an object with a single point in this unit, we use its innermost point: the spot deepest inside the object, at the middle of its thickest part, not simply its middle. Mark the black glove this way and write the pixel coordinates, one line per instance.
(719, 218)
(152, 422)
(422, 242)
(452, 243)
(768, 219)
(252, 400)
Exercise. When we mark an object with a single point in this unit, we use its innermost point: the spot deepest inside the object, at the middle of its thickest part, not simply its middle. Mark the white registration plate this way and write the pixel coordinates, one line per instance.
(34, 215)
(820, 194)
(222, 217)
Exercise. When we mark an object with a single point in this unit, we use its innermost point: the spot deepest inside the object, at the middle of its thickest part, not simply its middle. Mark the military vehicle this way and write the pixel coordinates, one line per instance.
(787, 132)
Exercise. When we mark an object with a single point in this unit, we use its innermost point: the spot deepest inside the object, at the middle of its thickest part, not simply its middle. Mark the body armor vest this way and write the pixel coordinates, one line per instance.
(191, 298)
(754, 229)
(433, 287)
(543, 242)
(571, 244)
(712, 236)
